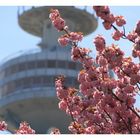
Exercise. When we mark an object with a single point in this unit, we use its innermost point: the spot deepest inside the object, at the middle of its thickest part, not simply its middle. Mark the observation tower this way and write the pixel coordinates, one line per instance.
(27, 91)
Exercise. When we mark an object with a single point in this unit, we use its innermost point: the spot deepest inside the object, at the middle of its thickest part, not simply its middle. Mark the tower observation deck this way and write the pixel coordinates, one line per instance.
(27, 91)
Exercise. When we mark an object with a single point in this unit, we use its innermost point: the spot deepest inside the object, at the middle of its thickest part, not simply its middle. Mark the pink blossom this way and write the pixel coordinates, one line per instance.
(135, 53)
(61, 93)
(97, 96)
(54, 14)
(117, 35)
(110, 18)
(123, 82)
(76, 36)
(63, 40)
(137, 29)
(107, 25)
(102, 11)
(137, 40)
(132, 36)
(82, 76)
(136, 47)
(75, 53)
(113, 55)
(3, 126)
(59, 23)
(99, 42)
(79, 53)
(55, 131)
(25, 128)
(108, 84)
(62, 105)
(84, 51)
(135, 78)
(101, 61)
(76, 128)
(128, 89)
(120, 21)
(88, 62)
(131, 101)
(83, 87)
(130, 68)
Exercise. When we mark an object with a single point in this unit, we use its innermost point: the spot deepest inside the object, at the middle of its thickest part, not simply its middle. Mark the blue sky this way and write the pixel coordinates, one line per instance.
(14, 39)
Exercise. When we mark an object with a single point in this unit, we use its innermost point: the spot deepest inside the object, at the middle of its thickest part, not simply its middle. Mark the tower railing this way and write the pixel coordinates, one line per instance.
(19, 53)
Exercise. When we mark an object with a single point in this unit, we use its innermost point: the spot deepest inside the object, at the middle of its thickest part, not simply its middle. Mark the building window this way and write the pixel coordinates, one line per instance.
(79, 66)
(61, 64)
(48, 80)
(13, 69)
(7, 71)
(72, 65)
(33, 82)
(41, 64)
(31, 65)
(21, 67)
(52, 63)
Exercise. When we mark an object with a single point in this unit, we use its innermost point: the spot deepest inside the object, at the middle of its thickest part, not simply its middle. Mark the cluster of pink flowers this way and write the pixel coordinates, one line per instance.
(108, 22)
(57, 21)
(120, 21)
(3, 126)
(99, 43)
(109, 19)
(137, 29)
(134, 37)
(59, 24)
(64, 40)
(136, 47)
(104, 13)
(25, 128)
(103, 104)
(117, 35)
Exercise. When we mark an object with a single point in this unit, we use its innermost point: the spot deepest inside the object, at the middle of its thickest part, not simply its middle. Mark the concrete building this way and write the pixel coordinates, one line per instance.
(27, 91)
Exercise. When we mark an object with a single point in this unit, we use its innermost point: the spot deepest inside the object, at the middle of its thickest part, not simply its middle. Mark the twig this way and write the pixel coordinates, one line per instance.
(133, 110)
(125, 123)
(108, 114)
(72, 118)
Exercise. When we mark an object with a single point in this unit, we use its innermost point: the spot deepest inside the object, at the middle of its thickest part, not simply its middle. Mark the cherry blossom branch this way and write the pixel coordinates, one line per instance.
(121, 101)
(72, 118)
(130, 131)
(129, 76)
(124, 35)
(108, 22)
(108, 114)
